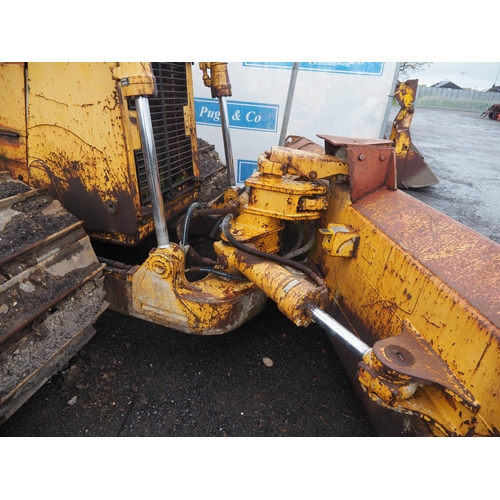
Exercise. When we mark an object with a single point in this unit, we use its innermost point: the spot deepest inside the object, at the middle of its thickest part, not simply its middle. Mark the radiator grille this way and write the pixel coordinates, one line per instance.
(173, 146)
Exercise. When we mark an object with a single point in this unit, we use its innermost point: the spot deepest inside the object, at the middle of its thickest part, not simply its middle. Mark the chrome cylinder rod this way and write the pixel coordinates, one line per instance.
(337, 332)
(152, 171)
(228, 150)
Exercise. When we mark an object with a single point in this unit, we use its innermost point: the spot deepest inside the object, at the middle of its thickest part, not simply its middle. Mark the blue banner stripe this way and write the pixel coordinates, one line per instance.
(242, 115)
(352, 68)
(245, 169)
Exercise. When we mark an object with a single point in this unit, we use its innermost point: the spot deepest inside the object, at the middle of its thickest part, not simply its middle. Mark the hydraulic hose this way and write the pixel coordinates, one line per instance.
(303, 249)
(269, 256)
(298, 242)
(218, 272)
(187, 220)
(203, 260)
(196, 209)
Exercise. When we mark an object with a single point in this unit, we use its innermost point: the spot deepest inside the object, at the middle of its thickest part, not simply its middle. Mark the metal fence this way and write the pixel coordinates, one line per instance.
(460, 100)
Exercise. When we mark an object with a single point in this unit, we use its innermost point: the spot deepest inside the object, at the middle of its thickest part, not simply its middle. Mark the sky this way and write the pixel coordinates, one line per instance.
(380, 31)
(474, 75)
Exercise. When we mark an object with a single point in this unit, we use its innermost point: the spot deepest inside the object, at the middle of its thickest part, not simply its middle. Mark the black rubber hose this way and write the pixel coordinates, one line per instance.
(189, 214)
(299, 251)
(269, 256)
(298, 242)
(218, 272)
(195, 210)
(203, 260)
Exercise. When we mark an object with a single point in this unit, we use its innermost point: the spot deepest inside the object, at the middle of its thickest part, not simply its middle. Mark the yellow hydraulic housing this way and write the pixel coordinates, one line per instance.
(245, 274)
(73, 128)
(218, 80)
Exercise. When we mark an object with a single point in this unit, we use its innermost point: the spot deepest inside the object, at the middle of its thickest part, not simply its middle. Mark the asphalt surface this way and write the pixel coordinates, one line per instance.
(139, 379)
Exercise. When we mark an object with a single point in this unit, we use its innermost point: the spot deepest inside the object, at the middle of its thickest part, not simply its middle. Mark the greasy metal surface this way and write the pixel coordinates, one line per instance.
(413, 171)
(291, 291)
(369, 167)
(159, 292)
(371, 162)
(308, 164)
(79, 139)
(284, 197)
(441, 412)
(261, 231)
(145, 222)
(388, 388)
(410, 354)
(399, 355)
(339, 240)
(218, 80)
(136, 78)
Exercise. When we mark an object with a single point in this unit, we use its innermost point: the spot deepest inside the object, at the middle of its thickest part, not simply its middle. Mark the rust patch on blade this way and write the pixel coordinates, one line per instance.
(467, 261)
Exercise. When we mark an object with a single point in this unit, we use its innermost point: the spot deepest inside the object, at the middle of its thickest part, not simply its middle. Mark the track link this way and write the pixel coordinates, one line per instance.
(51, 290)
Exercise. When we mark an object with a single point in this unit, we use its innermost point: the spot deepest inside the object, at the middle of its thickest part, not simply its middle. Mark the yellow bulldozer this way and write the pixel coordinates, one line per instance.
(101, 188)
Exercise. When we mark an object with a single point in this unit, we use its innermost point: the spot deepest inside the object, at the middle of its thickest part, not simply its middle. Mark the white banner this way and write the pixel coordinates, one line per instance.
(343, 99)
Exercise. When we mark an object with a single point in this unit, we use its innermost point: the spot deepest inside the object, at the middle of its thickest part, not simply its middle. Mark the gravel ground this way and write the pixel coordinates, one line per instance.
(139, 379)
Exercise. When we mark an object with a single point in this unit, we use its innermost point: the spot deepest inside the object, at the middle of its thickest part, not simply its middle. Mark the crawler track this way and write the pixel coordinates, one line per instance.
(51, 290)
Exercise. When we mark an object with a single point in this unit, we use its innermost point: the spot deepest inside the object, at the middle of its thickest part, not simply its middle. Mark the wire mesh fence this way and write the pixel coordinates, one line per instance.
(460, 100)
